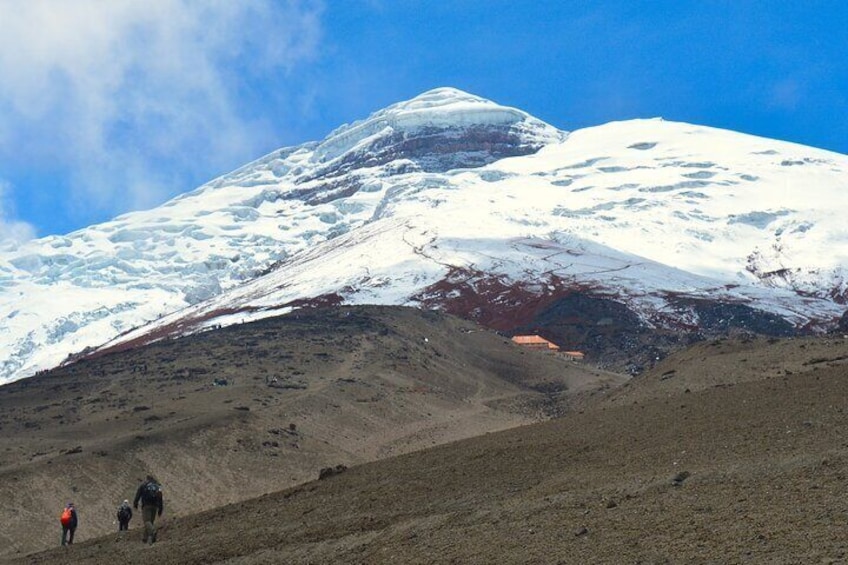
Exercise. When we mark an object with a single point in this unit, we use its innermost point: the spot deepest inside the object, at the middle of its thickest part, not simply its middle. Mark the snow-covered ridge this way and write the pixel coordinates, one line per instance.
(441, 108)
(442, 182)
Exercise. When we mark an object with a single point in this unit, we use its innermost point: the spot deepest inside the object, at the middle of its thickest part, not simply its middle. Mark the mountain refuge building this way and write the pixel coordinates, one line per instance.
(535, 342)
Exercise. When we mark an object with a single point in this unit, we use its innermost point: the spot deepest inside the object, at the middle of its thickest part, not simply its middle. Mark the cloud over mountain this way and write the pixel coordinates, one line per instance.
(115, 91)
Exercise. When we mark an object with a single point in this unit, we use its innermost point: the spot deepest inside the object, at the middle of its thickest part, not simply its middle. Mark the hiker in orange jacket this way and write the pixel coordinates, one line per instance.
(69, 524)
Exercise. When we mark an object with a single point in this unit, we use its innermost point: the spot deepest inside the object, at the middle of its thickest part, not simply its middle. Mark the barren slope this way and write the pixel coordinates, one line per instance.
(722, 461)
(306, 391)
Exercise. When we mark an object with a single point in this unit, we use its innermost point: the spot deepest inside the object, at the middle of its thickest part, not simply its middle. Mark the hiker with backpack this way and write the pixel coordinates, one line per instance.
(124, 516)
(68, 520)
(150, 494)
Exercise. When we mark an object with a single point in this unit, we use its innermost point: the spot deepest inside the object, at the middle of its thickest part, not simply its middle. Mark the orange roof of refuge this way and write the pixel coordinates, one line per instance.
(534, 340)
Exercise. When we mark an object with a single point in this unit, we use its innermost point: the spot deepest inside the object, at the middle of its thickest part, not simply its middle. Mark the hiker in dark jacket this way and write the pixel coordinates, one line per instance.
(69, 524)
(150, 494)
(124, 515)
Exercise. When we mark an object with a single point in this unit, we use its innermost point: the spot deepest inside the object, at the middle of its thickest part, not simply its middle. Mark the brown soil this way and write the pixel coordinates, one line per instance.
(732, 451)
(303, 392)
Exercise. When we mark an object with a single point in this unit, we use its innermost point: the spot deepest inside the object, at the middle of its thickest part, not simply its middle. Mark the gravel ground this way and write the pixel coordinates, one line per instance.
(707, 459)
(303, 392)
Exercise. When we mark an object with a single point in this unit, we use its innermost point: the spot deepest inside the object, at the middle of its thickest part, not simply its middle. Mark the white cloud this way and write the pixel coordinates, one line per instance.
(132, 98)
(11, 231)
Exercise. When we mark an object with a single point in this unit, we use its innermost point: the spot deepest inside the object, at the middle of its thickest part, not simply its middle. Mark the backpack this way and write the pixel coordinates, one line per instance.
(151, 493)
(67, 516)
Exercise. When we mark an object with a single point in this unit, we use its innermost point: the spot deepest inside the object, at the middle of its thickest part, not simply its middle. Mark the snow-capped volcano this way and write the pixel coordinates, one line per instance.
(450, 200)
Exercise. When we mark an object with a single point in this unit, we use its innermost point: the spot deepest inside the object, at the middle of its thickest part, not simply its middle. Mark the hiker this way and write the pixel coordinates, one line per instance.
(69, 524)
(150, 494)
(124, 516)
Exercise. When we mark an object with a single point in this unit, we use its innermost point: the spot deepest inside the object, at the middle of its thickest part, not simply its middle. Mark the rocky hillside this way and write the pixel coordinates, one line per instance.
(230, 414)
(732, 451)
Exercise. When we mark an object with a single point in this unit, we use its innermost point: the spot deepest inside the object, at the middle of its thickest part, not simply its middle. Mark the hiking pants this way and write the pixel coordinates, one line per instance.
(148, 514)
(66, 539)
(123, 525)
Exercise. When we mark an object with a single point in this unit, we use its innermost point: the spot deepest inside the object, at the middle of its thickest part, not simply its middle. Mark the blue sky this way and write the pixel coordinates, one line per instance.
(108, 106)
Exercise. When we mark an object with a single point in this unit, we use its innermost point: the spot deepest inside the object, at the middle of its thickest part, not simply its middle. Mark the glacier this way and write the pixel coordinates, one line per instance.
(444, 185)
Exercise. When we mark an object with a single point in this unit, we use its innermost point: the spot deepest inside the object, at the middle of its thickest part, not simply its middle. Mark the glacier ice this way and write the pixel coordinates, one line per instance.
(426, 184)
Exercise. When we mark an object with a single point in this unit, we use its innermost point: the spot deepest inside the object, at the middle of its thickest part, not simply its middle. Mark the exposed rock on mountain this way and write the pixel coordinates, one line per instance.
(452, 201)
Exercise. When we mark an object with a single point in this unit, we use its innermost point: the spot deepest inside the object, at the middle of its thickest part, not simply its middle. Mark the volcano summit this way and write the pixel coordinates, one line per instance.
(453, 202)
